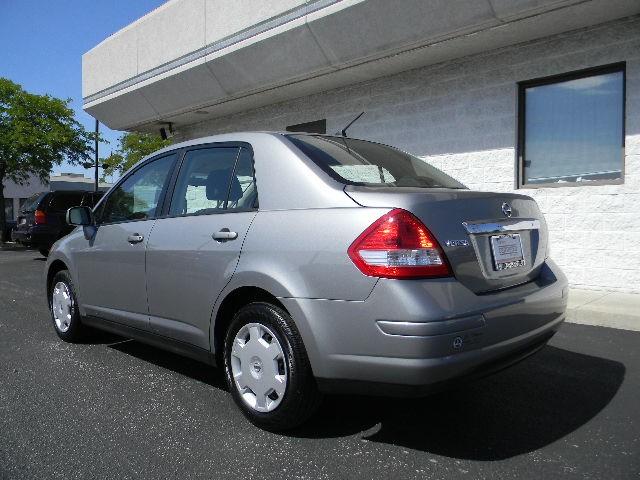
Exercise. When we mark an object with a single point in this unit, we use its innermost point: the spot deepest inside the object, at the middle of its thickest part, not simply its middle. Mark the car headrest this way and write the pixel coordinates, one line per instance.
(217, 184)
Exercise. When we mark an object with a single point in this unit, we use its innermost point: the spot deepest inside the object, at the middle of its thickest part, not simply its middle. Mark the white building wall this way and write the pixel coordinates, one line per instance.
(461, 117)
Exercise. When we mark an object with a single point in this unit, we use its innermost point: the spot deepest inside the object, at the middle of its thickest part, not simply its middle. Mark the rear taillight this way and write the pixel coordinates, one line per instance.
(39, 217)
(398, 245)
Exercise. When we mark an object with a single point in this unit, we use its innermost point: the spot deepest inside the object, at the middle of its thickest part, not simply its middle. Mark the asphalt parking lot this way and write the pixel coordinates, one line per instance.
(114, 408)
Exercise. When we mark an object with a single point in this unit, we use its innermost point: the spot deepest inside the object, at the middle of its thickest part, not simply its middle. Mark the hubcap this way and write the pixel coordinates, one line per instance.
(62, 306)
(258, 367)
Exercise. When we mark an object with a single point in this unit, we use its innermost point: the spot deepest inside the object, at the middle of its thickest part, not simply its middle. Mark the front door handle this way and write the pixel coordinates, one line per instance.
(225, 234)
(135, 238)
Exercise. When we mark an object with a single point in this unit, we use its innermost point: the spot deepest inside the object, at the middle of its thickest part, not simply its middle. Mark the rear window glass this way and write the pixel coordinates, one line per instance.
(30, 204)
(358, 162)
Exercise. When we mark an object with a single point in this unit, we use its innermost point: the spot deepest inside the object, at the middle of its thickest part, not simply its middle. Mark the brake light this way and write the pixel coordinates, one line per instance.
(40, 218)
(398, 245)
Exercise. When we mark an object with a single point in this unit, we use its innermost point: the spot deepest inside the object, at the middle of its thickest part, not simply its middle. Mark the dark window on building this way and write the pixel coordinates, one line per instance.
(571, 128)
(8, 209)
(23, 202)
(318, 126)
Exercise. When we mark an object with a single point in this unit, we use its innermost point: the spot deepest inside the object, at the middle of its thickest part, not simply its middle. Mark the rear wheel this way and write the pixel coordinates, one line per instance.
(63, 307)
(267, 368)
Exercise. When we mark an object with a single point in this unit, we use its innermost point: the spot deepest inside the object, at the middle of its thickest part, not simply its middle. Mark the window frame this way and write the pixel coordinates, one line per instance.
(163, 193)
(164, 213)
(521, 123)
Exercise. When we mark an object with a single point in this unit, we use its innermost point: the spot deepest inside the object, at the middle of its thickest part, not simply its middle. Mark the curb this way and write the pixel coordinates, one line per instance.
(604, 309)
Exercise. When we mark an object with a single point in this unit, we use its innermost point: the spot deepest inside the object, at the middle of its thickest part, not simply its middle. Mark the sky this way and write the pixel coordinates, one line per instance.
(42, 42)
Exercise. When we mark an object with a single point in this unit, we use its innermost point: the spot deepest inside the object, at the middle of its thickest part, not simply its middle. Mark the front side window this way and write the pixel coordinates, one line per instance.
(572, 128)
(358, 162)
(214, 179)
(138, 196)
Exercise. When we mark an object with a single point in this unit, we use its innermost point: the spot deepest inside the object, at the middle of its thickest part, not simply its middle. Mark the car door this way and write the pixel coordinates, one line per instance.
(193, 252)
(111, 267)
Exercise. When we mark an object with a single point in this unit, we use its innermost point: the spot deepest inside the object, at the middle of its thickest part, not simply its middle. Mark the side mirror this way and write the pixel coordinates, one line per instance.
(82, 216)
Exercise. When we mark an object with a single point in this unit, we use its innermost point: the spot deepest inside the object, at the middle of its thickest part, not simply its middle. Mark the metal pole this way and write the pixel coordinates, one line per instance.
(96, 152)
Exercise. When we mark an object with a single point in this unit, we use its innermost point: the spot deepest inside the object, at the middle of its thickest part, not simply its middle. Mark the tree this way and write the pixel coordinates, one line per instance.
(132, 147)
(36, 133)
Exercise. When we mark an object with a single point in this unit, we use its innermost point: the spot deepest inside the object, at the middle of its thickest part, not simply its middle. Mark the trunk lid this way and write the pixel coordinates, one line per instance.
(459, 216)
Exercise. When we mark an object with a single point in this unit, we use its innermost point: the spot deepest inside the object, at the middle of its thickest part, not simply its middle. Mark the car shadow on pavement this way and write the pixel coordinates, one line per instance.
(517, 411)
(176, 363)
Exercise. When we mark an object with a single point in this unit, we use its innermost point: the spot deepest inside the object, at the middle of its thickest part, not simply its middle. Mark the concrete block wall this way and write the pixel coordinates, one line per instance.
(461, 117)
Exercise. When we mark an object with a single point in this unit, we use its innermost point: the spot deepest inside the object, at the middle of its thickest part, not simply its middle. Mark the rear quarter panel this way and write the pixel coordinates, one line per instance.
(303, 253)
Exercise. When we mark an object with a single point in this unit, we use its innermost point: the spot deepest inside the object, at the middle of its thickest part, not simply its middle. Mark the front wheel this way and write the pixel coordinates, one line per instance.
(63, 307)
(267, 368)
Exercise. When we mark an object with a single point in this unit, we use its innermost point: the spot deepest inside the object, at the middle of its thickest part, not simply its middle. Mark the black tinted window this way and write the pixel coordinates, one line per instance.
(63, 201)
(358, 162)
(138, 197)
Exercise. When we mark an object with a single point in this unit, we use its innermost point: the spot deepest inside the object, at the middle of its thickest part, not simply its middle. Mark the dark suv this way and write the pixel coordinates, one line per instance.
(41, 221)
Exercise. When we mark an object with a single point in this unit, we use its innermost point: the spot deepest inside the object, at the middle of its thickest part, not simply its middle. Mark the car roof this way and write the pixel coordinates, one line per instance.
(243, 136)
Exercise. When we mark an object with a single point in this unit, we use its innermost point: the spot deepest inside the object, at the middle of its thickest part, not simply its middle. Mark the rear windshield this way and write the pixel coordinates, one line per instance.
(31, 203)
(358, 162)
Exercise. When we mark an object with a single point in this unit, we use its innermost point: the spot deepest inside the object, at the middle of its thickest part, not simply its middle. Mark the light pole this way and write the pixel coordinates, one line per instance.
(96, 153)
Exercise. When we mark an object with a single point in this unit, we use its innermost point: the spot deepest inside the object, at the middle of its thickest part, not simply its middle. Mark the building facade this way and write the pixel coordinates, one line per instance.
(539, 98)
(16, 195)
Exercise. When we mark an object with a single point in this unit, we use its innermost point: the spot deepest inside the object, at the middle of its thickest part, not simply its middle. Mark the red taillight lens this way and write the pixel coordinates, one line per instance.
(398, 245)
(40, 218)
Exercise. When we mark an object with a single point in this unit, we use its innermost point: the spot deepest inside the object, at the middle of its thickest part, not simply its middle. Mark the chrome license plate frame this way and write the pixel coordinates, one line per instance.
(507, 251)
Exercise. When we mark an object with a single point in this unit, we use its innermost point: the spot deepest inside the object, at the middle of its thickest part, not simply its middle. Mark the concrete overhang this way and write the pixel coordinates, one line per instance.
(192, 60)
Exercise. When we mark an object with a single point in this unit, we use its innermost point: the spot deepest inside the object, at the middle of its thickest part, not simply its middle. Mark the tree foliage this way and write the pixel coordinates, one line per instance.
(36, 133)
(132, 147)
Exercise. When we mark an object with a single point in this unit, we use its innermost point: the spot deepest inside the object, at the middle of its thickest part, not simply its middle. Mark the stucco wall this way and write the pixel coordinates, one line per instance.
(461, 117)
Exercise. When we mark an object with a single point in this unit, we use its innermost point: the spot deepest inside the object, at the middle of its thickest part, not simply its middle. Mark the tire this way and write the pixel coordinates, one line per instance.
(44, 251)
(65, 316)
(299, 398)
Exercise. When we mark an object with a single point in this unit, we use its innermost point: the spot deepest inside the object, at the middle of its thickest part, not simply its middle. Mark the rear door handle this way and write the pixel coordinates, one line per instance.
(225, 234)
(135, 238)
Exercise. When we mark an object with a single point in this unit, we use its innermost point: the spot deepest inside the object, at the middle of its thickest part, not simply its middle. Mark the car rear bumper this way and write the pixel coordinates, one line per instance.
(412, 336)
(34, 236)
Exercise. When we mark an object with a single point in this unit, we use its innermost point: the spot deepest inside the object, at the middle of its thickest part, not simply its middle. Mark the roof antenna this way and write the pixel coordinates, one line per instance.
(343, 132)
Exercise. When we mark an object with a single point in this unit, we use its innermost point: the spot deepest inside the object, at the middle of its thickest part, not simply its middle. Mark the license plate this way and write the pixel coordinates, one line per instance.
(507, 251)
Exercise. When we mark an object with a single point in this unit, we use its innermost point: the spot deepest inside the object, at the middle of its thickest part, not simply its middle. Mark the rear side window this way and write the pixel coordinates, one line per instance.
(358, 162)
(61, 202)
(214, 179)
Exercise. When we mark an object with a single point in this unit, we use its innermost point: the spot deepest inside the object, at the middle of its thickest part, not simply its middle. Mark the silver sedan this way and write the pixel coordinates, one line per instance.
(309, 264)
